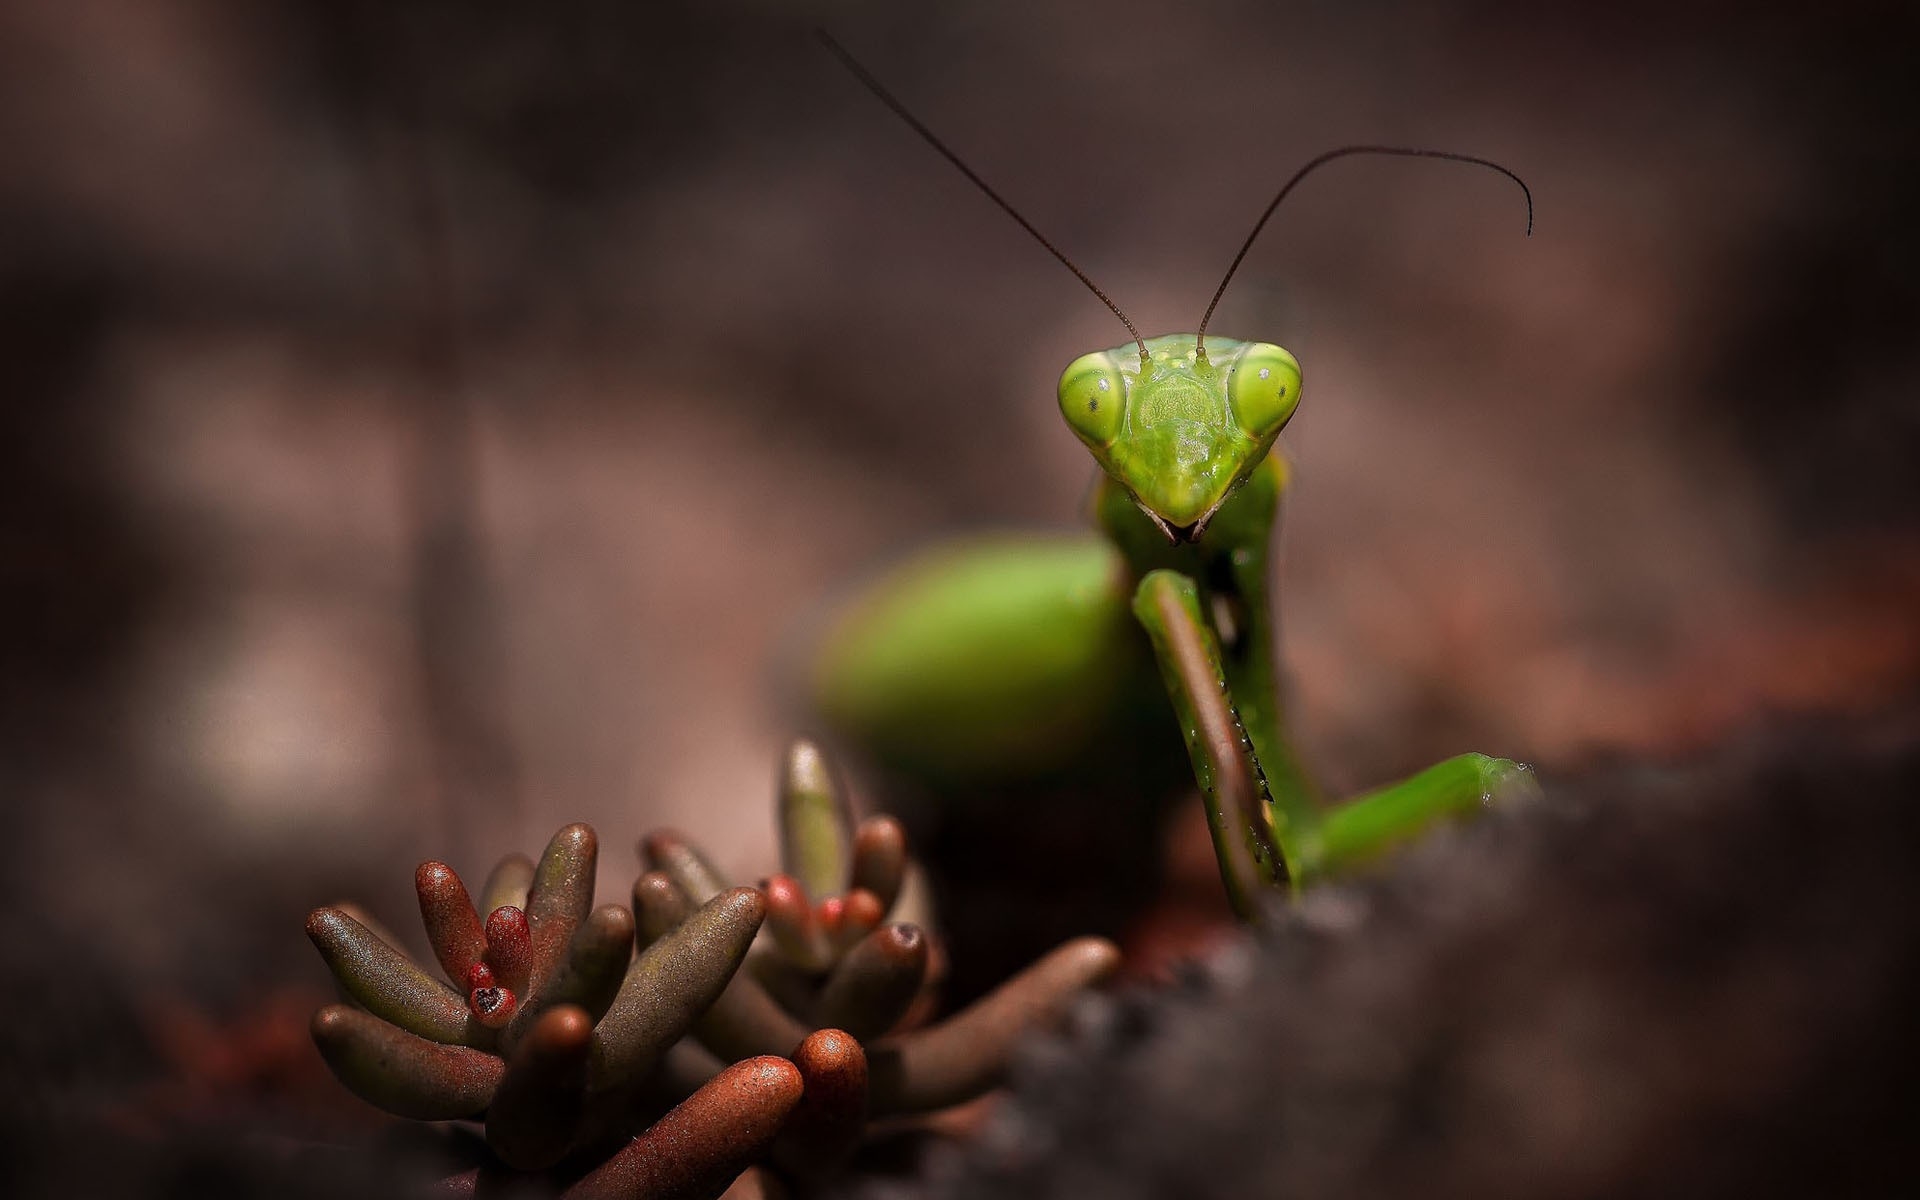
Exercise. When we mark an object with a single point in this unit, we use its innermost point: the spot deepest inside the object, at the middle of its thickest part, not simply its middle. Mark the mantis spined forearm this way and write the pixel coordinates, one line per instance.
(1030, 654)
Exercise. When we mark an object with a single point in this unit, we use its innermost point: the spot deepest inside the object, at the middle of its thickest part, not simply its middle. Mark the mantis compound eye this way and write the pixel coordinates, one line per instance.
(1264, 389)
(1092, 398)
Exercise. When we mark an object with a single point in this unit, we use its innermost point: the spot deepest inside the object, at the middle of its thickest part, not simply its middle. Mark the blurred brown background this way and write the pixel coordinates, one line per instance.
(426, 424)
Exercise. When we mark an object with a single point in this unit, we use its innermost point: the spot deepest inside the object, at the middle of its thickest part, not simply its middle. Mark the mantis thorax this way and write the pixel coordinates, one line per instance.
(1180, 430)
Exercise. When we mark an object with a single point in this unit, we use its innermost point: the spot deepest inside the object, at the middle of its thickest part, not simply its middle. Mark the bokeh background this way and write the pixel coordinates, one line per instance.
(427, 424)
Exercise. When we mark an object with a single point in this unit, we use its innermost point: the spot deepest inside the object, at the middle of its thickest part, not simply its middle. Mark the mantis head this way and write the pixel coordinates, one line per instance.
(1177, 427)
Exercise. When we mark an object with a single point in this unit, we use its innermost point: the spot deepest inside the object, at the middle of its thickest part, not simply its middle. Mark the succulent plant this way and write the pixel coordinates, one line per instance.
(570, 1046)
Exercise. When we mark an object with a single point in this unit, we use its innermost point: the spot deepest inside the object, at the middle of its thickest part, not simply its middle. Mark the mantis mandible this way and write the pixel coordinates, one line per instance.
(1022, 651)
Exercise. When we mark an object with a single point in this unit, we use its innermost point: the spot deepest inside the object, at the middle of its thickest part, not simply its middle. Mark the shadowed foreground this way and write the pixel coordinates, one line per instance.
(1693, 982)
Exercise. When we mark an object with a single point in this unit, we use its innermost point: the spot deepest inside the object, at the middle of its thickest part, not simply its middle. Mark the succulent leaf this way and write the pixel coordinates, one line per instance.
(404, 1074)
(879, 860)
(560, 898)
(682, 862)
(874, 985)
(671, 984)
(700, 1147)
(390, 985)
(815, 822)
(453, 927)
(968, 1053)
(508, 883)
(824, 1131)
(536, 1109)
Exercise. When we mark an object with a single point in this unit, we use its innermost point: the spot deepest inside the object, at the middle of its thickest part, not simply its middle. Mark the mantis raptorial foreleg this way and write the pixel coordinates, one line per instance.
(1266, 833)
(1207, 612)
(1234, 790)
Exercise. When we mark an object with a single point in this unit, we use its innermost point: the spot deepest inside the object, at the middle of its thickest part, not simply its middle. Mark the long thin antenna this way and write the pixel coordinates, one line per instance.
(1200, 339)
(900, 110)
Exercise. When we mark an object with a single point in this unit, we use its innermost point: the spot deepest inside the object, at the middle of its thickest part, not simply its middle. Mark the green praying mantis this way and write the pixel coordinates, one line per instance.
(1029, 653)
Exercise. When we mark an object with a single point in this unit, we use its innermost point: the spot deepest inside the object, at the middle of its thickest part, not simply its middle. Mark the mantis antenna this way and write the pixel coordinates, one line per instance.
(1200, 338)
(900, 110)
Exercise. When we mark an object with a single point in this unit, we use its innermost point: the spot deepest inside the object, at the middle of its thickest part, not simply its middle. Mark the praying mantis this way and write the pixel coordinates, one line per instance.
(1030, 653)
